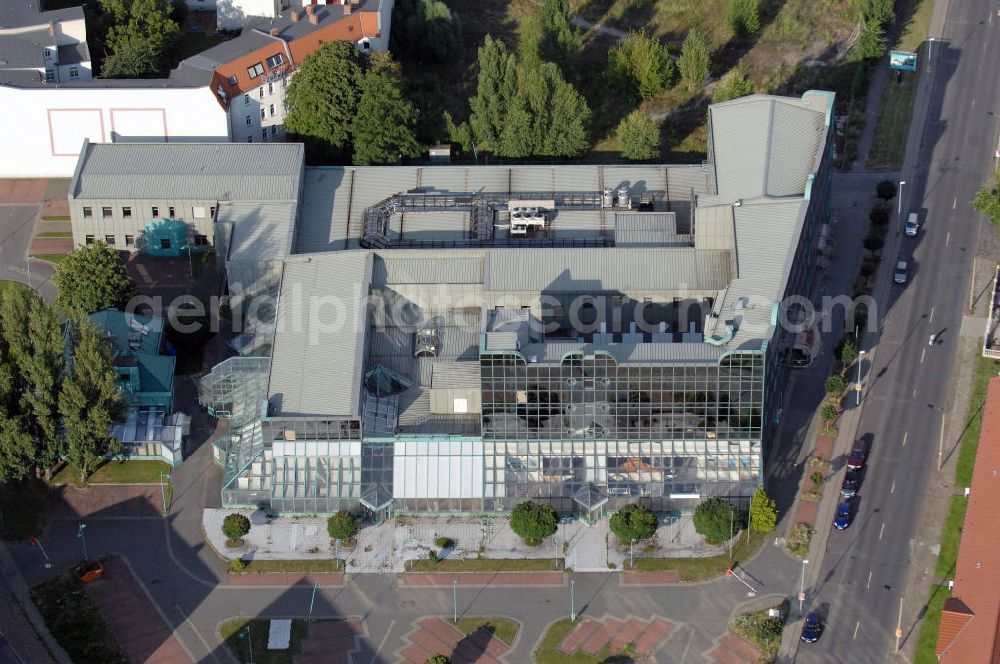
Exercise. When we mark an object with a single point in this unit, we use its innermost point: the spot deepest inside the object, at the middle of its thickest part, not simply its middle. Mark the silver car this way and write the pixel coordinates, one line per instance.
(902, 270)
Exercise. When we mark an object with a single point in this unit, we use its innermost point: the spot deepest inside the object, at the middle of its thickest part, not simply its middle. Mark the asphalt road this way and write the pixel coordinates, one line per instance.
(16, 226)
(864, 568)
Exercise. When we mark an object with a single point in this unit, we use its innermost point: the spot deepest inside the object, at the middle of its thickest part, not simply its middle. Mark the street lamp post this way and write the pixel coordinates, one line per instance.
(802, 585)
(246, 634)
(312, 601)
(943, 413)
(83, 539)
(572, 600)
(857, 391)
(631, 557)
(454, 598)
(899, 202)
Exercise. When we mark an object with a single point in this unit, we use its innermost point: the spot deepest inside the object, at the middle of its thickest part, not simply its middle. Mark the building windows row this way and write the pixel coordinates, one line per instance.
(111, 240)
(255, 70)
(107, 212)
(276, 60)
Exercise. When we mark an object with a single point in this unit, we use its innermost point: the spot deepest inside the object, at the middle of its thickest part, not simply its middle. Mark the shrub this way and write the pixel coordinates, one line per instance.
(342, 526)
(633, 522)
(763, 512)
(848, 353)
(533, 521)
(829, 412)
(819, 463)
(873, 242)
(235, 526)
(744, 17)
(716, 520)
(879, 215)
(886, 189)
(433, 556)
(835, 384)
(437, 659)
(236, 565)
(817, 478)
(443, 542)
(798, 540)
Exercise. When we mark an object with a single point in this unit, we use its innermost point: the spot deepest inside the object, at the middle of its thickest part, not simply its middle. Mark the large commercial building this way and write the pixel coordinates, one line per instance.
(461, 338)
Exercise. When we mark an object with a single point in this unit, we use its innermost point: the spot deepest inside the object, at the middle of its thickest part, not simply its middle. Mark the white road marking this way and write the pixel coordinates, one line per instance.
(922, 354)
(974, 99)
(856, 626)
(892, 489)
(869, 580)
(947, 239)
(954, 203)
(881, 530)
(382, 643)
(914, 391)
(932, 310)
(905, 434)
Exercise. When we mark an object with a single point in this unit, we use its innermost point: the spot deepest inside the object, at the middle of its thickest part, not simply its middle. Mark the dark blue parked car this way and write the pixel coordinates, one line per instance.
(843, 519)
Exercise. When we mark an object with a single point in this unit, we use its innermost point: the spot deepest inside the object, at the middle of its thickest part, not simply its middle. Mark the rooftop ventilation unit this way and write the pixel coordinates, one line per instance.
(624, 197)
(608, 198)
(525, 219)
(426, 342)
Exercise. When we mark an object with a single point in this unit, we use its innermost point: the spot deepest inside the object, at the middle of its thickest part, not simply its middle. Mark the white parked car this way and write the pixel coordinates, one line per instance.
(912, 225)
(902, 269)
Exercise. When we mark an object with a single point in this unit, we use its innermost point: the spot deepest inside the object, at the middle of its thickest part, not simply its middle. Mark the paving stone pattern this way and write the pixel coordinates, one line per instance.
(333, 642)
(433, 636)
(733, 649)
(594, 636)
(134, 621)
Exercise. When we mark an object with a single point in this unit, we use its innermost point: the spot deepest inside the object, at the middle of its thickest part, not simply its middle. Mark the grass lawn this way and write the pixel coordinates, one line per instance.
(115, 472)
(951, 535)
(487, 565)
(52, 258)
(761, 630)
(927, 639)
(23, 509)
(6, 283)
(893, 123)
(504, 629)
(230, 632)
(55, 234)
(699, 569)
(548, 652)
(58, 217)
(75, 622)
(317, 566)
(986, 368)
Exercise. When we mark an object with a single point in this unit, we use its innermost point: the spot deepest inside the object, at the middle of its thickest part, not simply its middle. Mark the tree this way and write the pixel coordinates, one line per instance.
(560, 40)
(342, 526)
(633, 522)
(875, 16)
(733, 86)
(987, 202)
(886, 190)
(643, 60)
(744, 17)
(873, 242)
(835, 384)
(437, 659)
(533, 521)
(694, 61)
(322, 99)
(89, 401)
(880, 214)
(458, 133)
(141, 37)
(496, 87)
(425, 29)
(763, 512)
(235, 526)
(17, 448)
(639, 137)
(829, 412)
(382, 129)
(92, 278)
(716, 520)
(546, 116)
(848, 353)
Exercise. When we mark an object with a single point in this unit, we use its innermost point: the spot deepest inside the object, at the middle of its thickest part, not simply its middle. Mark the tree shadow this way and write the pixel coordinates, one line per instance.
(729, 54)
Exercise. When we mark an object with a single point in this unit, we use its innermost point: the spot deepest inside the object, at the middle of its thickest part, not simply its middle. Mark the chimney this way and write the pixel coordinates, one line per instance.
(347, 9)
(296, 15)
(314, 18)
(274, 32)
(52, 28)
(310, 9)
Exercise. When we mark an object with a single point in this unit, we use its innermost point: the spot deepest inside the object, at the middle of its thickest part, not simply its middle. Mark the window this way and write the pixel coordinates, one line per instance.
(262, 114)
(90, 239)
(50, 75)
(127, 212)
(200, 241)
(274, 130)
(246, 100)
(106, 212)
(263, 134)
(198, 212)
(272, 110)
(48, 52)
(88, 212)
(74, 72)
(109, 240)
(261, 93)
(255, 71)
(129, 240)
(276, 60)
(170, 211)
(249, 139)
(164, 243)
(155, 211)
(232, 80)
(248, 120)
(366, 45)
(211, 212)
(270, 88)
